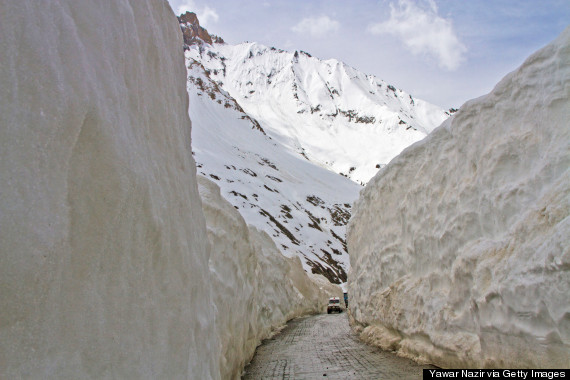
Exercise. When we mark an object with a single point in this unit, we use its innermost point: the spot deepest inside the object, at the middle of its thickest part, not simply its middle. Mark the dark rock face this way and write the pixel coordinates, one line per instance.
(193, 33)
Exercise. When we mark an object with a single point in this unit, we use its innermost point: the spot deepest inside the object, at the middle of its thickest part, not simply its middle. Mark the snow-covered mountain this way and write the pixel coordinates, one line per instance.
(330, 113)
(304, 207)
(274, 129)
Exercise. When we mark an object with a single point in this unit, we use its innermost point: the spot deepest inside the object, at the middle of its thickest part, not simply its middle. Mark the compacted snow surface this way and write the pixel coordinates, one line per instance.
(460, 247)
(104, 259)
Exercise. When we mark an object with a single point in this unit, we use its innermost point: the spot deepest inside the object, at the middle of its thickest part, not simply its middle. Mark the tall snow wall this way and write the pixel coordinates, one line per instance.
(256, 289)
(460, 247)
(103, 255)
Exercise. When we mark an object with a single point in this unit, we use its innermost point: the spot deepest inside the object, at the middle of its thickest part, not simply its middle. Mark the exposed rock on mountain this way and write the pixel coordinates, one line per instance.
(303, 207)
(193, 33)
(460, 247)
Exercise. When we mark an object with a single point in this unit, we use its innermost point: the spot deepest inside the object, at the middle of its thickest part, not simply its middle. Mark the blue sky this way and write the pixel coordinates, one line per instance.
(442, 51)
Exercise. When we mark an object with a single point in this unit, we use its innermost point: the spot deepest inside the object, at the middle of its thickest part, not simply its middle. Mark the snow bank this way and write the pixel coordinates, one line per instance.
(460, 247)
(256, 289)
(104, 260)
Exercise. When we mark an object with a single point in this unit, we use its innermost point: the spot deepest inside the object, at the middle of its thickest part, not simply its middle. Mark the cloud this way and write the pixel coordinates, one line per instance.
(208, 15)
(316, 27)
(187, 6)
(205, 14)
(423, 31)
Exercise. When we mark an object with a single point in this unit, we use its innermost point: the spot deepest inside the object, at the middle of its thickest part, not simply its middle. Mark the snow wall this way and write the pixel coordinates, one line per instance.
(103, 255)
(256, 289)
(460, 247)
(105, 267)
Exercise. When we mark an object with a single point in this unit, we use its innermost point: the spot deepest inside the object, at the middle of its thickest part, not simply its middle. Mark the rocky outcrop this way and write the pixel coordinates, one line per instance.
(255, 288)
(192, 32)
(103, 255)
(460, 247)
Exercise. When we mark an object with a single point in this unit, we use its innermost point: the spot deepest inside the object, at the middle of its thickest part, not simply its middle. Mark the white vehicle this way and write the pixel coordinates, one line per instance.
(334, 305)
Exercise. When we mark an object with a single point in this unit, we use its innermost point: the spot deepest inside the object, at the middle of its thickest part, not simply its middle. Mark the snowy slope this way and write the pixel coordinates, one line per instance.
(304, 207)
(272, 133)
(460, 247)
(330, 113)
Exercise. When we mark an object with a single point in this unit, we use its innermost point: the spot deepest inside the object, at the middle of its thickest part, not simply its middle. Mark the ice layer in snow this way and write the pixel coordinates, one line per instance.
(460, 247)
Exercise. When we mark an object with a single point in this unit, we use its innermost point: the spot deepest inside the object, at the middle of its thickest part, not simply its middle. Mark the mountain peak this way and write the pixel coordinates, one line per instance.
(193, 33)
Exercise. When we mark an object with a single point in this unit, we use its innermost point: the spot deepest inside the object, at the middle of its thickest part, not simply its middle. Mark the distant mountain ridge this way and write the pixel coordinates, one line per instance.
(274, 129)
(325, 110)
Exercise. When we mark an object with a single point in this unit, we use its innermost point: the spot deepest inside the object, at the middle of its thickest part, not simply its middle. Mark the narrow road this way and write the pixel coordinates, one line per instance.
(324, 347)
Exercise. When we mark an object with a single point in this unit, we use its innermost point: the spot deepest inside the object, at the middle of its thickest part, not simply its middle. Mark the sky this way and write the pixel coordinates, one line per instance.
(443, 51)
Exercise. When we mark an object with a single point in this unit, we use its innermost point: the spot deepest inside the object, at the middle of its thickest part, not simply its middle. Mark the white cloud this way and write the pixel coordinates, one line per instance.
(208, 15)
(316, 27)
(423, 31)
(187, 6)
(205, 14)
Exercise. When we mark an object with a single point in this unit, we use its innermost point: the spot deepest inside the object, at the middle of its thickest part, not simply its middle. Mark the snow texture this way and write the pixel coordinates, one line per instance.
(106, 269)
(460, 247)
(255, 288)
(275, 128)
(302, 206)
(104, 259)
(326, 111)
